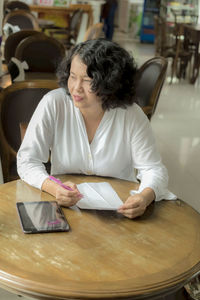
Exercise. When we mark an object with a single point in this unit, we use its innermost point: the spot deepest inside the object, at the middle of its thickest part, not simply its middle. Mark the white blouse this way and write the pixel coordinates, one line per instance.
(122, 144)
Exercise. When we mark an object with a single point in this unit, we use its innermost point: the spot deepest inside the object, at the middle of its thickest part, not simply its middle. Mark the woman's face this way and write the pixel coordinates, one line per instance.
(79, 85)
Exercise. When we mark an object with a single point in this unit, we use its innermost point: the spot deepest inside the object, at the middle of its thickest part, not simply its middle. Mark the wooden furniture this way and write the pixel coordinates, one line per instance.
(51, 12)
(13, 41)
(41, 52)
(45, 24)
(150, 79)
(15, 4)
(22, 18)
(68, 35)
(17, 104)
(192, 36)
(188, 42)
(181, 56)
(169, 43)
(105, 255)
(94, 31)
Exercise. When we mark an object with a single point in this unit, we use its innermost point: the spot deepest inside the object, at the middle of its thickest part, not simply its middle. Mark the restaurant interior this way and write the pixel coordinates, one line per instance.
(147, 29)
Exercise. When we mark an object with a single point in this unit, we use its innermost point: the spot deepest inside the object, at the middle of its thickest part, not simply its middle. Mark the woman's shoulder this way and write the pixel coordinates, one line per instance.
(135, 117)
(135, 108)
(56, 97)
(133, 111)
(57, 94)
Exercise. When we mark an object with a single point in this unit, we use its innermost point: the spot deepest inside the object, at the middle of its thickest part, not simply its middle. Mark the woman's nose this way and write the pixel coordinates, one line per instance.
(78, 85)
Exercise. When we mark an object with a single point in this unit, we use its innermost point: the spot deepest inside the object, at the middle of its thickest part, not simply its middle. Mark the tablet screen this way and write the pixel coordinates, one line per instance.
(44, 216)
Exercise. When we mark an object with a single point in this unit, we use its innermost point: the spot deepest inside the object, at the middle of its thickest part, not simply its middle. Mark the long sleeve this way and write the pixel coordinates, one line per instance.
(34, 151)
(146, 159)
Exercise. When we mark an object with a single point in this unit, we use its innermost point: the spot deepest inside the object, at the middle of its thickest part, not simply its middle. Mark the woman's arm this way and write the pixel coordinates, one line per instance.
(34, 150)
(146, 159)
(152, 174)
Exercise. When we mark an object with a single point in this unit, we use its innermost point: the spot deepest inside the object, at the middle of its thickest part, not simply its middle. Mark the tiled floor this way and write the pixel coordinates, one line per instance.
(176, 125)
(4, 295)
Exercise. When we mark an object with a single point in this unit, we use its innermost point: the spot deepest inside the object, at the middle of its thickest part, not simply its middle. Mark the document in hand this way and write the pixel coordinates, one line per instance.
(98, 195)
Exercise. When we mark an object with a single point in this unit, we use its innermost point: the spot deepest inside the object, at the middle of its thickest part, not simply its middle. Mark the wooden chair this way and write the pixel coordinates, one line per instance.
(169, 43)
(22, 18)
(150, 79)
(94, 31)
(191, 43)
(14, 5)
(184, 49)
(42, 54)
(17, 104)
(68, 35)
(13, 41)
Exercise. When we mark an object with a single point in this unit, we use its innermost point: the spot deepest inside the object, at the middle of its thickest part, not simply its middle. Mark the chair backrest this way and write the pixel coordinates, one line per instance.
(13, 41)
(150, 79)
(17, 104)
(75, 20)
(22, 18)
(14, 5)
(94, 31)
(42, 53)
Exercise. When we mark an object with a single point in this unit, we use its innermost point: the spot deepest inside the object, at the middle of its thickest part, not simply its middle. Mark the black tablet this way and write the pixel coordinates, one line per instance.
(43, 216)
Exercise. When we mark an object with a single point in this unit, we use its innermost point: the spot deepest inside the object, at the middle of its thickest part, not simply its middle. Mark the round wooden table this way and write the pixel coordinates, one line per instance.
(104, 255)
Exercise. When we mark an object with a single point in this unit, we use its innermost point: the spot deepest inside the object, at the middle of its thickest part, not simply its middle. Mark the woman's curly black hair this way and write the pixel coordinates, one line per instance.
(112, 69)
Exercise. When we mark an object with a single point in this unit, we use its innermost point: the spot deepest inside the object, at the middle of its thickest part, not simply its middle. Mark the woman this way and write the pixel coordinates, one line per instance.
(92, 125)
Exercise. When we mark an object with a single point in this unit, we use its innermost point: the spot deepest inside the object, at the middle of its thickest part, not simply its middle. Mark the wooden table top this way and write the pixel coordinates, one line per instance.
(195, 27)
(104, 255)
(61, 9)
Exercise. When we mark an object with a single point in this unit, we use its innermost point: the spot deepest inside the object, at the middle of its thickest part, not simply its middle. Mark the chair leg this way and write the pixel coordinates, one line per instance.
(193, 288)
(180, 295)
(181, 73)
(172, 70)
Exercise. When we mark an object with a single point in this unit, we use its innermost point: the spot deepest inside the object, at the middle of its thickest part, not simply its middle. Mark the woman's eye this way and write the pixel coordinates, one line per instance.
(72, 76)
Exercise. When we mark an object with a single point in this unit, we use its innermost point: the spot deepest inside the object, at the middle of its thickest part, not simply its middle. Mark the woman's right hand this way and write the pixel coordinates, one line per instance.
(66, 197)
(63, 196)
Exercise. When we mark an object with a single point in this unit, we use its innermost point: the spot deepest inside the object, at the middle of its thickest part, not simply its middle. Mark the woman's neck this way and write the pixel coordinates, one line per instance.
(92, 115)
(92, 121)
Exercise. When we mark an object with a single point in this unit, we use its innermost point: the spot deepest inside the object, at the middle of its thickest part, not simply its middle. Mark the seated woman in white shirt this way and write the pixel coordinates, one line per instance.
(92, 125)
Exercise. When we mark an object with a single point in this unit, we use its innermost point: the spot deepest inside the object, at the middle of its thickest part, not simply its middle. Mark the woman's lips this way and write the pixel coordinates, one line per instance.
(78, 98)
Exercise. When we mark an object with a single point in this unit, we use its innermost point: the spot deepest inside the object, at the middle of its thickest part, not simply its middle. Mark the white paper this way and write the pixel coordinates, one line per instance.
(99, 195)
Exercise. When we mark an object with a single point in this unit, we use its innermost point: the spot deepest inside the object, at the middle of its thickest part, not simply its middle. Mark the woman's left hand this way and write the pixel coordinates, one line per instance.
(136, 205)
